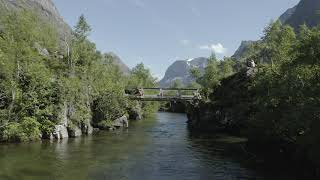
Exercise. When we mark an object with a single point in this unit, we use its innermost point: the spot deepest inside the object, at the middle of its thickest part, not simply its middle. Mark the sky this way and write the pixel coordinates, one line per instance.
(158, 32)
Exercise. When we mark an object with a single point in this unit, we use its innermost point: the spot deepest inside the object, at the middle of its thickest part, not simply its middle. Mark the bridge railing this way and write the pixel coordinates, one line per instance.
(164, 93)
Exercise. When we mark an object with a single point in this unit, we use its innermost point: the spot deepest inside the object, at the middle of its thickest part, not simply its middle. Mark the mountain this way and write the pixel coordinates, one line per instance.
(306, 12)
(180, 70)
(118, 62)
(242, 49)
(45, 9)
(47, 12)
(285, 16)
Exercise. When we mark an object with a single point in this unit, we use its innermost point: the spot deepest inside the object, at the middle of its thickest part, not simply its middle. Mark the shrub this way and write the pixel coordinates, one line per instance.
(106, 124)
(12, 132)
(31, 127)
(27, 130)
(47, 127)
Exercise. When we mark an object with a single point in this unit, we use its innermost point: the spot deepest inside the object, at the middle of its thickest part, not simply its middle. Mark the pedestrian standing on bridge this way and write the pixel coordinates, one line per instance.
(178, 93)
(197, 94)
(161, 93)
(141, 92)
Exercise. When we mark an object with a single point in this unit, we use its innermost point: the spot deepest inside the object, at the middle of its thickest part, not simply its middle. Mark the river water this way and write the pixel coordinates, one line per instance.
(159, 148)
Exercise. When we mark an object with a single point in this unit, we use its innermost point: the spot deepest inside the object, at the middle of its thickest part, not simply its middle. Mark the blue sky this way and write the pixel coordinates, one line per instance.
(158, 32)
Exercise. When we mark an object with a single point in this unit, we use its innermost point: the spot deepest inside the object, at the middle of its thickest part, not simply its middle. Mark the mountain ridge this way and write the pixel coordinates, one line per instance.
(45, 9)
(305, 12)
(48, 12)
(180, 70)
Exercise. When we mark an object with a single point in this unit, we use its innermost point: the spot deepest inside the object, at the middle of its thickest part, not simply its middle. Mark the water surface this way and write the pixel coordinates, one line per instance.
(160, 148)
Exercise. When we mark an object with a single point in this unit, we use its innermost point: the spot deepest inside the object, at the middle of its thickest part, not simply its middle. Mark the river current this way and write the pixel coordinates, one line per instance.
(156, 149)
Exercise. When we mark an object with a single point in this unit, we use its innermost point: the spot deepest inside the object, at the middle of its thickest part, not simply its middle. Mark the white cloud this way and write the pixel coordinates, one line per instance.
(217, 48)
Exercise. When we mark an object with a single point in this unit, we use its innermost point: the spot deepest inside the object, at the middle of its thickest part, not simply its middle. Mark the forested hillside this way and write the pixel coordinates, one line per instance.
(275, 105)
(46, 91)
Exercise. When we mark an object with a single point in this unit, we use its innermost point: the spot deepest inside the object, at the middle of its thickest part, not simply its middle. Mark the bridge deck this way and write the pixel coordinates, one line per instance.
(163, 98)
(140, 95)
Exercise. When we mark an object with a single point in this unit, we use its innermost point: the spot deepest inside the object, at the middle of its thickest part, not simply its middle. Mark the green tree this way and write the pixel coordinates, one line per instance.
(82, 29)
(141, 77)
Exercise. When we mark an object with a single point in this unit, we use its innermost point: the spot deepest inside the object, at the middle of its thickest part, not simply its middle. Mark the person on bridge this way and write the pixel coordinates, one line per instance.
(178, 93)
(141, 92)
(161, 93)
(197, 94)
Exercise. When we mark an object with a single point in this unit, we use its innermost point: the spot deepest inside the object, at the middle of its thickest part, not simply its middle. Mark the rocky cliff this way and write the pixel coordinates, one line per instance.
(46, 10)
(287, 15)
(180, 70)
(306, 12)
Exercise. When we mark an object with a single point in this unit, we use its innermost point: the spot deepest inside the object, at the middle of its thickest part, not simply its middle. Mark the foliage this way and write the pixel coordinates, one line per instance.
(41, 86)
(47, 127)
(214, 72)
(109, 107)
(141, 77)
(278, 107)
(27, 130)
(106, 124)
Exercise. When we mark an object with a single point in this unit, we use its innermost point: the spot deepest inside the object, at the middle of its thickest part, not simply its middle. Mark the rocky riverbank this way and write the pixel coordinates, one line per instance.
(66, 128)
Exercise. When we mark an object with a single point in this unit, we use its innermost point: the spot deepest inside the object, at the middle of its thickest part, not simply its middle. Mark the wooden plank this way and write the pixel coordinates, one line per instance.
(164, 98)
(171, 89)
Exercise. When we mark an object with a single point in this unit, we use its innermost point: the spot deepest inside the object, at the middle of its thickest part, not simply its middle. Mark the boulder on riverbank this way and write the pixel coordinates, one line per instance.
(86, 127)
(48, 136)
(60, 132)
(74, 131)
(113, 125)
(135, 112)
(121, 122)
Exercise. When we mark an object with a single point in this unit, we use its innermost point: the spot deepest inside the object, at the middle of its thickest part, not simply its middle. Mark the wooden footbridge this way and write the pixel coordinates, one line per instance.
(163, 94)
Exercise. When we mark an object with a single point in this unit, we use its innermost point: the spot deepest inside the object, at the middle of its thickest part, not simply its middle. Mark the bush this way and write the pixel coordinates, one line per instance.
(106, 124)
(12, 132)
(110, 105)
(27, 130)
(47, 127)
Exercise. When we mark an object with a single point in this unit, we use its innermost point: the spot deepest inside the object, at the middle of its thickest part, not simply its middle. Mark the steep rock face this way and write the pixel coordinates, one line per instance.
(285, 16)
(242, 49)
(46, 11)
(306, 12)
(181, 70)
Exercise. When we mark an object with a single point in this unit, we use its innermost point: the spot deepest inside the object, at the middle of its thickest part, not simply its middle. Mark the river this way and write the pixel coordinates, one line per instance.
(160, 148)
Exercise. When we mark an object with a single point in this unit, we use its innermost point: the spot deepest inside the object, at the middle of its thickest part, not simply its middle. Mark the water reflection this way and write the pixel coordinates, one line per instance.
(154, 149)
